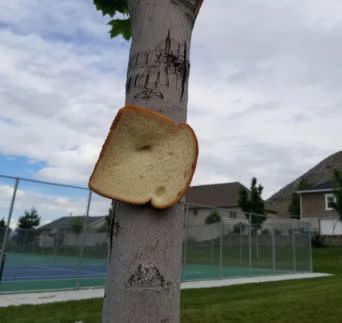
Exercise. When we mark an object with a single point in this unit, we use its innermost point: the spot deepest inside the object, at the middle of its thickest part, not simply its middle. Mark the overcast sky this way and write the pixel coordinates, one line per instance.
(264, 97)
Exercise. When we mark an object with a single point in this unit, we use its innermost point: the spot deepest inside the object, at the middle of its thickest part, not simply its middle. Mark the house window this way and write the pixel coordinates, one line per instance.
(232, 214)
(195, 211)
(330, 199)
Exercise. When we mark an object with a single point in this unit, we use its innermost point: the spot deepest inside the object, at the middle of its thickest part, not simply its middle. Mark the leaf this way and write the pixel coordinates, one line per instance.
(111, 7)
(121, 27)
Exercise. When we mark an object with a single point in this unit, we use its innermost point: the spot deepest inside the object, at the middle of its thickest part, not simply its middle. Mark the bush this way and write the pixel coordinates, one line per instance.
(317, 241)
(214, 217)
(240, 227)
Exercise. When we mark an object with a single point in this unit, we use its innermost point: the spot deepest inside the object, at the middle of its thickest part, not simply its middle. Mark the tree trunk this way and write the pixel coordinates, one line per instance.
(144, 261)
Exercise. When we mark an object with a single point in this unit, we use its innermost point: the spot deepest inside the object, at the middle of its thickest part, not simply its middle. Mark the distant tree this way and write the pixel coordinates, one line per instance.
(213, 217)
(76, 225)
(2, 224)
(252, 204)
(2, 229)
(26, 229)
(108, 219)
(294, 206)
(30, 220)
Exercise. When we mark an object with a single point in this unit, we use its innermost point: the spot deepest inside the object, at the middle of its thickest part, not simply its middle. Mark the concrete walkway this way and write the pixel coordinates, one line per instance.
(68, 295)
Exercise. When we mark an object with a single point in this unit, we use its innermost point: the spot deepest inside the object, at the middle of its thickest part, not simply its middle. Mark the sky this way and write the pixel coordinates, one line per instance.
(264, 93)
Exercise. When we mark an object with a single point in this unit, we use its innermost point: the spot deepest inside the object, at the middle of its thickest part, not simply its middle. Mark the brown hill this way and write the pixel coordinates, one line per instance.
(319, 174)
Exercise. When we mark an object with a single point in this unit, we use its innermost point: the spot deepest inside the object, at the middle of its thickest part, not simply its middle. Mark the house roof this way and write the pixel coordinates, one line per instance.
(65, 222)
(323, 187)
(214, 195)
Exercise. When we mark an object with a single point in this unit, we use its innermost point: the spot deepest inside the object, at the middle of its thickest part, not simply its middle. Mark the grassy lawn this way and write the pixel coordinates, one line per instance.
(313, 300)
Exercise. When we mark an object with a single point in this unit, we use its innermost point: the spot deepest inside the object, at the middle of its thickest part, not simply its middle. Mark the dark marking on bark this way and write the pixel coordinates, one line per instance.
(148, 276)
(129, 62)
(146, 80)
(114, 228)
(148, 94)
(168, 42)
(165, 65)
(128, 84)
(157, 79)
(166, 320)
(137, 59)
(135, 80)
(167, 76)
(159, 55)
(186, 67)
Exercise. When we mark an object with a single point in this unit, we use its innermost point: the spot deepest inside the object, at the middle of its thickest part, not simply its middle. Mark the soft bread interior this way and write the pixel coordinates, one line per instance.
(146, 157)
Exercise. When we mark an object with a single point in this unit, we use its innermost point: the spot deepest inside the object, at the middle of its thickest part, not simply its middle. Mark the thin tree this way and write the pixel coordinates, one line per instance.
(2, 228)
(76, 225)
(254, 207)
(26, 228)
(30, 219)
(294, 206)
(252, 204)
(337, 205)
(145, 245)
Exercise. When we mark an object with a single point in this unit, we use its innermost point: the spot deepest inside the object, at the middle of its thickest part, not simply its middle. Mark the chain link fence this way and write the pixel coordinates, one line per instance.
(252, 245)
(69, 247)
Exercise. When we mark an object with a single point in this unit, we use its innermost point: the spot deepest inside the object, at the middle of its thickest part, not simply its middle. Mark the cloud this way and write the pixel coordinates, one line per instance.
(264, 95)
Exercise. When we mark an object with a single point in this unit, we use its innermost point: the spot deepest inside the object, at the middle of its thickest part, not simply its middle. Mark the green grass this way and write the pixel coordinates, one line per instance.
(312, 300)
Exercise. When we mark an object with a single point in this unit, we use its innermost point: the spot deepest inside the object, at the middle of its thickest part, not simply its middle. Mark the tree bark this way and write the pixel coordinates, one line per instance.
(144, 261)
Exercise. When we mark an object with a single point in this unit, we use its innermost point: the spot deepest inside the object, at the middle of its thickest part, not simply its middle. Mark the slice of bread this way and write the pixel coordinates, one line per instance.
(145, 158)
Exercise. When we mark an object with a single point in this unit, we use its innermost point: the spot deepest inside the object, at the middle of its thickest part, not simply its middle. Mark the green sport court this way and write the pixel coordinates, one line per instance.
(27, 272)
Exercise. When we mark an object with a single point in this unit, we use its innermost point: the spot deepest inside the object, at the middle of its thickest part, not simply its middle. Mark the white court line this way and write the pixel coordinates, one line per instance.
(68, 295)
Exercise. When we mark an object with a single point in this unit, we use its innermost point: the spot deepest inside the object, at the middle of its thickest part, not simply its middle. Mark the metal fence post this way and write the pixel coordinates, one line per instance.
(250, 244)
(4, 240)
(221, 247)
(294, 247)
(273, 250)
(185, 241)
(211, 252)
(83, 240)
(240, 242)
(310, 249)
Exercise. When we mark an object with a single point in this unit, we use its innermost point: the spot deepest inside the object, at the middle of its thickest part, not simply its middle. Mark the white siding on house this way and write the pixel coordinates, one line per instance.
(330, 227)
(197, 216)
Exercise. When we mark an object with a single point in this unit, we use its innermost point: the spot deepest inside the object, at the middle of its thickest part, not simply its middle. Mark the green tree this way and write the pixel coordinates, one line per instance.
(294, 206)
(2, 224)
(157, 78)
(252, 204)
(337, 205)
(108, 219)
(26, 230)
(76, 225)
(213, 217)
(30, 219)
(2, 229)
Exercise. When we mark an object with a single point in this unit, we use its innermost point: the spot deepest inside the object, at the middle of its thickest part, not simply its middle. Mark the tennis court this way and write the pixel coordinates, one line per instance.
(34, 272)
(41, 272)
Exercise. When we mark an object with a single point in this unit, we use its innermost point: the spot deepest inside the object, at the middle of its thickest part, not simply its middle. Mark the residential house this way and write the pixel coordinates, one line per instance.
(316, 207)
(205, 199)
(60, 232)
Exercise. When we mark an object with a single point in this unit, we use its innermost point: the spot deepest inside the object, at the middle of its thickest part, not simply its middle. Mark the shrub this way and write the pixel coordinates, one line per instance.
(317, 241)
